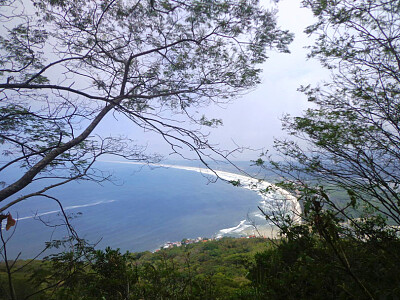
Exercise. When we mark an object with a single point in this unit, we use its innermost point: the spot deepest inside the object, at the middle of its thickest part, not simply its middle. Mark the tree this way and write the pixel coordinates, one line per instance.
(66, 65)
(311, 268)
(350, 136)
(344, 157)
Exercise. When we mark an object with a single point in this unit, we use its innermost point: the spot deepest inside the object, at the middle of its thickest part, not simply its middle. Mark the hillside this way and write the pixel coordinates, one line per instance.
(204, 270)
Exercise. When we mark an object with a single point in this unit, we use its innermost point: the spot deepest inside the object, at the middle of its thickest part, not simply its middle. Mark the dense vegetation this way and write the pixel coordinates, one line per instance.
(301, 266)
(325, 265)
(205, 270)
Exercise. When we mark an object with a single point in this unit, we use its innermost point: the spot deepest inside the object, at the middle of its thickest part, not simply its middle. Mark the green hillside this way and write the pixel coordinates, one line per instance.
(204, 270)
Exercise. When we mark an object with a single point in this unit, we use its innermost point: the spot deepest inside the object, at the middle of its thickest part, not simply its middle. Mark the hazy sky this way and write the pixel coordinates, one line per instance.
(254, 120)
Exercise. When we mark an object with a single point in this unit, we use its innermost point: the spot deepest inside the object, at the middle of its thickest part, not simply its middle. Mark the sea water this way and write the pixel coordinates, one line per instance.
(140, 210)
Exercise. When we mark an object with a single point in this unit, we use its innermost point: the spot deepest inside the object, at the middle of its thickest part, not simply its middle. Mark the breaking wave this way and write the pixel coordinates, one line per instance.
(65, 208)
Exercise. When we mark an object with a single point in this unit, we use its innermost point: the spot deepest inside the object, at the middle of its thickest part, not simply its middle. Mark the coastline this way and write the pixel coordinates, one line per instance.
(276, 200)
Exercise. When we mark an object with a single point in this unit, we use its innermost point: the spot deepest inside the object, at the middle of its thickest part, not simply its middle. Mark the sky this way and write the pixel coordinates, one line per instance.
(254, 120)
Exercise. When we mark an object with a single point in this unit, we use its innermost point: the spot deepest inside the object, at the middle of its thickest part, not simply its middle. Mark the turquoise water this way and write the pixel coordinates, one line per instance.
(143, 209)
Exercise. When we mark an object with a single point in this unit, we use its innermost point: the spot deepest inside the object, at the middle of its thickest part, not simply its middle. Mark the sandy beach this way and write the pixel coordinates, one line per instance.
(275, 199)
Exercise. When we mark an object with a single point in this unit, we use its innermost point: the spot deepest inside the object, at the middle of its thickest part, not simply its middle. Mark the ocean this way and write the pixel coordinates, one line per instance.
(141, 210)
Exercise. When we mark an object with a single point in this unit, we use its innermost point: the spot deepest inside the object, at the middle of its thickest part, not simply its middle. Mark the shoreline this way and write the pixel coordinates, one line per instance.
(190, 241)
(246, 182)
(276, 199)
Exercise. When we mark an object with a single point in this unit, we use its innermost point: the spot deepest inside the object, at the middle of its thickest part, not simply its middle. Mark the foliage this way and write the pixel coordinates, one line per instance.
(207, 270)
(68, 66)
(342, 163)
(311, 266)
(351, 133)
(21, 283)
